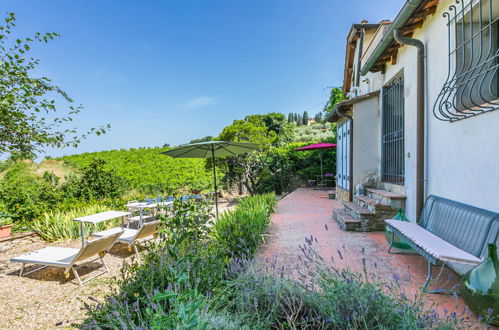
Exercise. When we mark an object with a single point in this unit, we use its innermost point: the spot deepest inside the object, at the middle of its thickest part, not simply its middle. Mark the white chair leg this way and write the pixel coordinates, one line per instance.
(77, 276)
(22, 269)
(104, 263)
(136, 252)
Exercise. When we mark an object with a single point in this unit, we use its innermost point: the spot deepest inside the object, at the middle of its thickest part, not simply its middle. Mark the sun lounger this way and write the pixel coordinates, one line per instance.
(131, 236)
(68, 258)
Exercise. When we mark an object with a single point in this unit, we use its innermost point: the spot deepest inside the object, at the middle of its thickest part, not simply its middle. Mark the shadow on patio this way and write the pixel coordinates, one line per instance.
(307, 213)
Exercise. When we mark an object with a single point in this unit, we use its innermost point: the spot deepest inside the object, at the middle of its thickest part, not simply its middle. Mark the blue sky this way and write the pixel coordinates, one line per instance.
(171, 71)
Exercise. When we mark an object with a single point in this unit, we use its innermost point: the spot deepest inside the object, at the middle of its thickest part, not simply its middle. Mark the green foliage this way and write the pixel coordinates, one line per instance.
(148, 171)
(26, 100)
(211, 283)
(5, 218)
(305, 118)
(286, 168)
(241, 231)
(95, 182)
(203, 139)
(336, 95)
(26, 195)
(331, 299)
(50, 177)
(251, 129)
(315, 133)
(170, 287)
(318, 117)
(59, 225)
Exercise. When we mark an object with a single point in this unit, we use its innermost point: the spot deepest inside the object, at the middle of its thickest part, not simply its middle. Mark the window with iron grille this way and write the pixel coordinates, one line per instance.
(392, 144)
(471, 87)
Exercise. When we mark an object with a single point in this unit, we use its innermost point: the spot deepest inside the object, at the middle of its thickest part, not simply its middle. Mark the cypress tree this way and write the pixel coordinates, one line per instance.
(305, 118)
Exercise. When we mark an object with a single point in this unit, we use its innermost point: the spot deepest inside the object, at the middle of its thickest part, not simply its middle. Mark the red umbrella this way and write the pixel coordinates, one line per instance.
(318, 146)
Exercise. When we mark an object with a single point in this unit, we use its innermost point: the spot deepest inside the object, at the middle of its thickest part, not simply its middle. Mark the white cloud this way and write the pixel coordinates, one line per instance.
(201, 101)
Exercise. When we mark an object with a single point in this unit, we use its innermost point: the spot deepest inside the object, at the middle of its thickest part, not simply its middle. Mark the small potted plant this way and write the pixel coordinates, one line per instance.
(5, 225)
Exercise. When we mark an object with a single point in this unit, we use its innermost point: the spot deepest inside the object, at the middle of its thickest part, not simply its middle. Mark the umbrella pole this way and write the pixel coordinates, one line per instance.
(214, 178)
(322, 172)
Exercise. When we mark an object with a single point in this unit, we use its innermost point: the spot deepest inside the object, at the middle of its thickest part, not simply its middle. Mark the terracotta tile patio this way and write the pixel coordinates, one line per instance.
(308, 212)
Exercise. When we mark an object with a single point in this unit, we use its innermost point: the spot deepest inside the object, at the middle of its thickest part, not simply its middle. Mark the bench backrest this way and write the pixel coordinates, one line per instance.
(467, 227)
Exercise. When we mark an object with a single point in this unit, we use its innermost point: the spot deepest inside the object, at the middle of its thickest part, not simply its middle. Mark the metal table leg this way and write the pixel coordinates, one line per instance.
(82, 231)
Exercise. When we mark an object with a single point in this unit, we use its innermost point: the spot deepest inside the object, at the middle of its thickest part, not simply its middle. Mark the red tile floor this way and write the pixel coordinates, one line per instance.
(307, 212)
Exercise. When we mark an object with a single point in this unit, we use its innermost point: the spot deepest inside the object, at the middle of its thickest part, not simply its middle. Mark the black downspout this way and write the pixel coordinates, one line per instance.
(338, 110)
(420, 117)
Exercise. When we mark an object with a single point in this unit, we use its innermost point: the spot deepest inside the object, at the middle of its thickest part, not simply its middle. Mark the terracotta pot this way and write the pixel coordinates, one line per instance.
(480, 287)
(5, 231)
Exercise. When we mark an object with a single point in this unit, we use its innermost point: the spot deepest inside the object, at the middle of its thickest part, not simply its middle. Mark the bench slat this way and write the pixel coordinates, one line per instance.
(432, 244)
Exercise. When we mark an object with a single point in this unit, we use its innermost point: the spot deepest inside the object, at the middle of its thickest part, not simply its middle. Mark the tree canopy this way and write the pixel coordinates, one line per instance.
(336, 95)
(28, 104)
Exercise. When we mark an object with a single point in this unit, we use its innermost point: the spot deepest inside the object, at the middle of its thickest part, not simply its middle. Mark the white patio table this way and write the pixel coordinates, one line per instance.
(99, 217)
(141, 206)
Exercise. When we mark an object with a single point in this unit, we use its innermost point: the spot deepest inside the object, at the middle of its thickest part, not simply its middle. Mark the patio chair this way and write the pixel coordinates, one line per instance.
(131, 236)
(68, 258)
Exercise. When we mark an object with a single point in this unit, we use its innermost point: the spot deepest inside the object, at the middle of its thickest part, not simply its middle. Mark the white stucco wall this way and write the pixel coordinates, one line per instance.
(462, 157)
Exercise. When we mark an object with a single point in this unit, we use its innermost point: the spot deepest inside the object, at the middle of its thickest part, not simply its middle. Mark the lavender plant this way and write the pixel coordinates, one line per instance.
(148, 297)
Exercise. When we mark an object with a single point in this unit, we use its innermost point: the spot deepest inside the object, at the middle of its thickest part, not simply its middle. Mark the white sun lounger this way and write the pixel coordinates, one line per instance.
(68, 258)
(131, 236)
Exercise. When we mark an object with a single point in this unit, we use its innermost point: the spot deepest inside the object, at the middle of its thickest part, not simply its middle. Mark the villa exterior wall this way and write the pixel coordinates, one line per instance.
(462, 157)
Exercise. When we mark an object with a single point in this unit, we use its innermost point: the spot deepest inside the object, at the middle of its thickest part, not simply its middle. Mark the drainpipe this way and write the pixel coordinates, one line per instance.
(359, 60)
(339, 110)
(403, 16)
(420, 116)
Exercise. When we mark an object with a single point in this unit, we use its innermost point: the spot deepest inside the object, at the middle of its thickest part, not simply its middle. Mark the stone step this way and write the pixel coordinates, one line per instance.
(370, 203)
(356, 211)
(346, 221)
(386, 197)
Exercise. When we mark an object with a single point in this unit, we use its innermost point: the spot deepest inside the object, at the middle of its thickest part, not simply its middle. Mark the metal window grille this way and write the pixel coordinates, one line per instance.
(392, 153)
(471, 86)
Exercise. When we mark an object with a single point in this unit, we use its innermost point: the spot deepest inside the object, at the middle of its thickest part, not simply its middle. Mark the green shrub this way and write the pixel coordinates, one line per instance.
(57, 226)
(25, 195)
(241, 231)
(188, 248)
(95, 182)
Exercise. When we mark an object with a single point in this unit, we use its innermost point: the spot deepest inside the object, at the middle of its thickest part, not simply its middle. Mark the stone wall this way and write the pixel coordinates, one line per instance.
(18, 239)
(342, 195)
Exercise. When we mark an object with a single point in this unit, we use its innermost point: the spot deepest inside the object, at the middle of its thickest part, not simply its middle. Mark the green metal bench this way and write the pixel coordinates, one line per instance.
(448, 232)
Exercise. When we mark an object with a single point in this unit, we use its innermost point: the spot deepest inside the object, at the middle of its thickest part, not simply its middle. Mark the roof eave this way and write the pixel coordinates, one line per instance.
(403, 16)
(334, 116)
